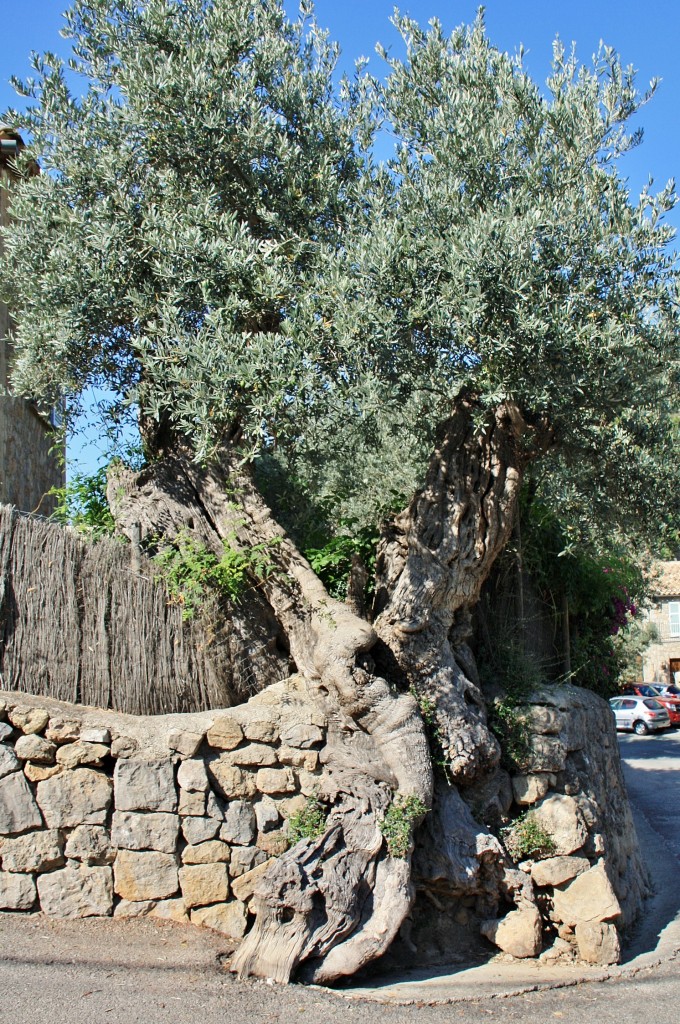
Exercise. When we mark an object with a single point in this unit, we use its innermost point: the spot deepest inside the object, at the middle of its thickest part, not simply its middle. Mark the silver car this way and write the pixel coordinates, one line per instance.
(641, 714)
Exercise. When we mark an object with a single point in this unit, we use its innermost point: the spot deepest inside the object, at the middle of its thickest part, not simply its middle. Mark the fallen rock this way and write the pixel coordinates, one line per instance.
(518, 933)
(589, 898)
(598, 942)
(558, 870)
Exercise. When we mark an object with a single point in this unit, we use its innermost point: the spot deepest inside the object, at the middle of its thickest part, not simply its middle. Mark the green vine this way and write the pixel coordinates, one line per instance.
(397, 825)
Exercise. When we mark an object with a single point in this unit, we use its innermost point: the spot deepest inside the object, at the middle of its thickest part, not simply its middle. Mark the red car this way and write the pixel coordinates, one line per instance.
(671, 703)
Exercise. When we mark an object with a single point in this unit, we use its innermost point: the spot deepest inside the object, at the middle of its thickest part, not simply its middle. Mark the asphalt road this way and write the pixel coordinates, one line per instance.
(143, 972)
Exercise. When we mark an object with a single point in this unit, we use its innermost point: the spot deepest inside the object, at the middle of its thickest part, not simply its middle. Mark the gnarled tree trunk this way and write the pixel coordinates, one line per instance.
(329, 906)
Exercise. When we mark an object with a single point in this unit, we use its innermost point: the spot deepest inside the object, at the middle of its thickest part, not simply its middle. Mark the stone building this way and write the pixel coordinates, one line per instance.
(29, 466)
(661, 661)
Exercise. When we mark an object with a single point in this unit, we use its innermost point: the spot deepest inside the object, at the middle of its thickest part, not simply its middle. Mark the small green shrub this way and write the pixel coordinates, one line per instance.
(397, 825)
(526, 837)
(309, 822)
(82, 504)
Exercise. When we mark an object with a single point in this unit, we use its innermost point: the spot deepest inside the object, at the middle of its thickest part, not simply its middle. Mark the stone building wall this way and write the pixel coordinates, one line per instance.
(180, 816)
(28, 467)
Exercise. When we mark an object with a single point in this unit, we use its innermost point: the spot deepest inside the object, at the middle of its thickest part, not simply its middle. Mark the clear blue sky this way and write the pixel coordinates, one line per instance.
(646, 35)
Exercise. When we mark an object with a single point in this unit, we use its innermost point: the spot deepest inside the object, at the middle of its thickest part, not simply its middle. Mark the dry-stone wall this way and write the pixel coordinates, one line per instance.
(174, 816)
(178, 816)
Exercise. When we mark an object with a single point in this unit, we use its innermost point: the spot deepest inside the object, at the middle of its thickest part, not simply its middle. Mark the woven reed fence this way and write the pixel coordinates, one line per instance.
(78, 623)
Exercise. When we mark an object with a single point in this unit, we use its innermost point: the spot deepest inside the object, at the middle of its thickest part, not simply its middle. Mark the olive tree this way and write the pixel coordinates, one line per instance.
(212, 239)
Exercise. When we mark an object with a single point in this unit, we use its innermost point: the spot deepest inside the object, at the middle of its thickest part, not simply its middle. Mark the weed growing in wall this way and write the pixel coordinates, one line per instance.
(397, 825)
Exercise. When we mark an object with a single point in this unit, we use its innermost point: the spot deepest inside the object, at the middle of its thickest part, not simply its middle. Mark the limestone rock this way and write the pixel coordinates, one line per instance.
(273, 843)
(308, 782)
(185, 743)
(35, 748)
(95, 735)
(518, 933)
(589, 898)
(77, 891)
(200, 830)
(214, 807)
(543, 720)
(598, 942)
(125, 908)
(145, 786)
(254, 755)
(17, 892)
(227, 918)
(192, 776)
(239, 823)
(34, 851)
(40, 772)
(558, 870)
(275, 780)
(244, 859)
(244, 887)
(203, 884)
(6, 731)
(72, 755)
(8, 761)
(123, 746)
(300, 735)
(191, 803)
(79, 797)
(232, 782)
(545, 754)
(62, 730)
(212, 852)
(225, 733)
(307, 759)
(561, 818)
(156, 830)
(28, 720)
(260, 726)
(145, 876)
(527, 789)
(170, 910)
(91, 844)
(18, 809)
(267, 814)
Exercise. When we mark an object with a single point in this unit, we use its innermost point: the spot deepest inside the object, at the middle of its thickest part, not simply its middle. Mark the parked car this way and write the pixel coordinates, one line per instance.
(641, 714)
(656, 692)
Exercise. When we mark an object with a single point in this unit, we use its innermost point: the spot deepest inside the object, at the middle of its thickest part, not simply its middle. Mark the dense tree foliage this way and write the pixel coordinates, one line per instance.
(211, 239)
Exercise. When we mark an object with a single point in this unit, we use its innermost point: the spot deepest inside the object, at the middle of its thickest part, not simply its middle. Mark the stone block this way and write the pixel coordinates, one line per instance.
(561, 818)
(275, 780)
(17, 892)
(79, 797)
(261, 729)
(598, 942)
(546, 754)
(28, 720)
(157, 830)
(34, 851)
(228, 919)
(300, 735)
(527, 789)
(308, 782)
(558, 870)
(185, 743)
(307, 759)
(8, 761)
(77, 891)
(6, 731)
(95, 734)
(212, 852)
(244, 859)
(191, 803)
(145, 875)
(267, 815)
(35, 748)
(254, 755)
(192, 776)
(91, 844)
(244, 887)
(73, 755)
(518, 933)
(62, 730)
(170, 910)
(273, 843)
(589, 898)
(125, 908)
(145, 786)
(123, 746)
(225, 733)
(40, 772)
(239, 824)
(200, 830)
(233, 783)
(18, 810)
(203, 884)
